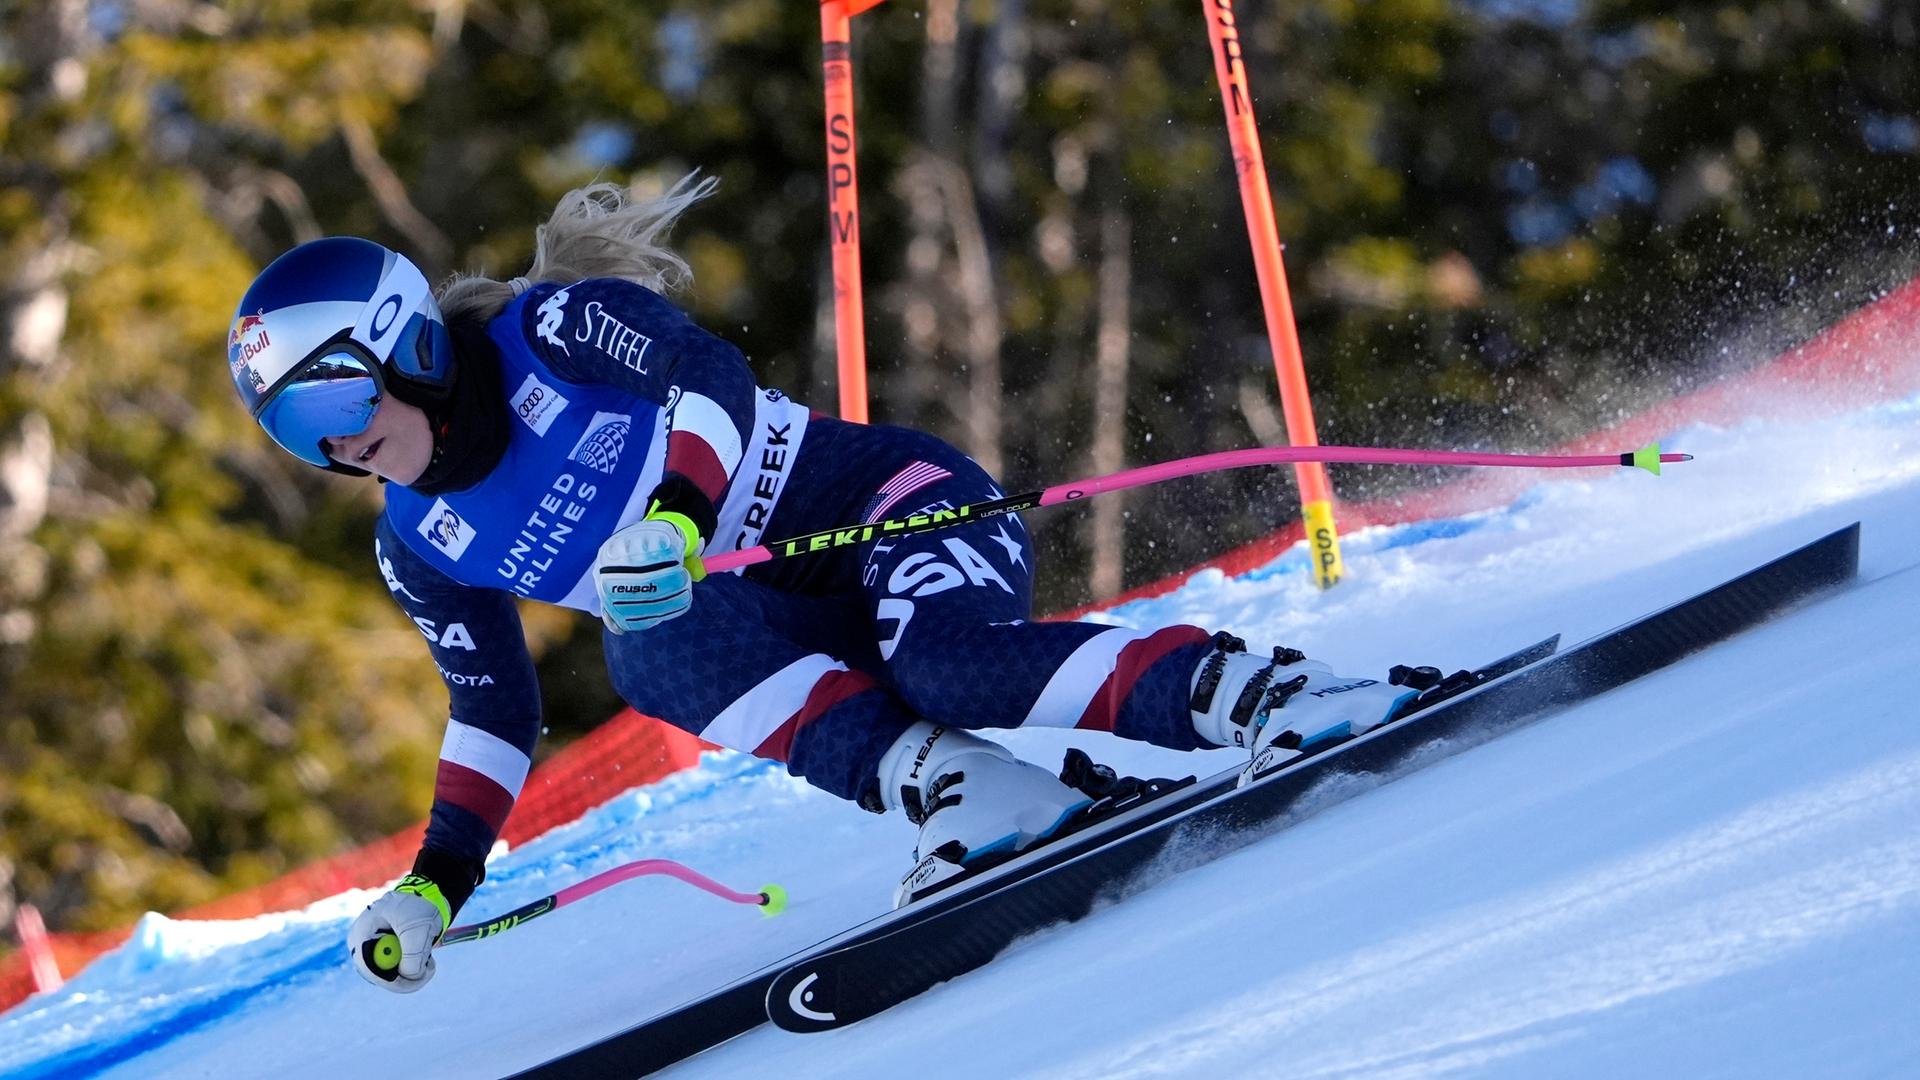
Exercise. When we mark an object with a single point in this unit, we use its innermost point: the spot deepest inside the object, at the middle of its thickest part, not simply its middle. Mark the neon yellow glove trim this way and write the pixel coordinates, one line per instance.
(426, 889)
(687, 529)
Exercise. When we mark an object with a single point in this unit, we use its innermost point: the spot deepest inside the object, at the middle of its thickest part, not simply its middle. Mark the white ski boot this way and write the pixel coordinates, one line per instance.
(971, 798)
(1282, 706)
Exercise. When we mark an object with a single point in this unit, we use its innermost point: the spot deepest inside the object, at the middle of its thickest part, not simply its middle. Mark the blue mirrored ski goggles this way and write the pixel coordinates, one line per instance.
(333, 394)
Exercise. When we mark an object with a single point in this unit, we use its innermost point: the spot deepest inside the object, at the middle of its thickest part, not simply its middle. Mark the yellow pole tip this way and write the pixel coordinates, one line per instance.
(774, 902)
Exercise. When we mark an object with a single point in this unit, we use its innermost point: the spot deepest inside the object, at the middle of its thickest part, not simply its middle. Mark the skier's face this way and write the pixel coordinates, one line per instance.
(398, 444)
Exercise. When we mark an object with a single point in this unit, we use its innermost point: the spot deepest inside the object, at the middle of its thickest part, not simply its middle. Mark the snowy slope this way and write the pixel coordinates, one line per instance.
(1711, 872)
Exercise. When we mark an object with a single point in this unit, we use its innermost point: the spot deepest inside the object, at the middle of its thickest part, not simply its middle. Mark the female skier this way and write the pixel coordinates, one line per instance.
(570, 436)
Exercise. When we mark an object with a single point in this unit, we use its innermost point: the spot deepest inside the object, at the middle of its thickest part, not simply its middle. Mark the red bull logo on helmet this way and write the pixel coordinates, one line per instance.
(244, 325)
(242, 347)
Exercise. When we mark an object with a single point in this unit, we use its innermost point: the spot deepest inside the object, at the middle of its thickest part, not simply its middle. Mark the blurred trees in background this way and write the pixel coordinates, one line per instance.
(1507, 221)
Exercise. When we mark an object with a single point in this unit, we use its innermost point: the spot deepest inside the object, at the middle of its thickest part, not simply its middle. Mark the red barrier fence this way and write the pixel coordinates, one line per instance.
(1872, 355)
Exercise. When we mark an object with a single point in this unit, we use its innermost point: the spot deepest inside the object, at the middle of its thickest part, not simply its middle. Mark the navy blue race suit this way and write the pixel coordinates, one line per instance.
(819, 661)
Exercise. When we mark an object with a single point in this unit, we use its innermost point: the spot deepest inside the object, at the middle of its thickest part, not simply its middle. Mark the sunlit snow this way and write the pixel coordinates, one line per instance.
(1714, 871)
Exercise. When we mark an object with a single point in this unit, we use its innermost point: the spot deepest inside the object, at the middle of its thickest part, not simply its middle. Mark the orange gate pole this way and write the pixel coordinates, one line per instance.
(843, 203)
(1316, 494)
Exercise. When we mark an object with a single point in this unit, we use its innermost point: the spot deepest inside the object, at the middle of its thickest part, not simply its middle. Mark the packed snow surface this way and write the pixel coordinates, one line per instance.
(1714, 871)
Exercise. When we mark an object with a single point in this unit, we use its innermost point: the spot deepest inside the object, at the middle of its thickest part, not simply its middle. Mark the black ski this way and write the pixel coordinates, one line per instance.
(1144, 802)
(793, 1000)
(972, 923)
(861, 978)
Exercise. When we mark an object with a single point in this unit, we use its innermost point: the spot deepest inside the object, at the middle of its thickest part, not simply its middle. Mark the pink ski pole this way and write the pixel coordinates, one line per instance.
(383, 952)
(771, 899)
(1647, 457)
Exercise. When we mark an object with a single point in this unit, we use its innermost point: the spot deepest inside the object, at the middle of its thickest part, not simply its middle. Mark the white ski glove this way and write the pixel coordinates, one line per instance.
(645, 572)
(392, 941)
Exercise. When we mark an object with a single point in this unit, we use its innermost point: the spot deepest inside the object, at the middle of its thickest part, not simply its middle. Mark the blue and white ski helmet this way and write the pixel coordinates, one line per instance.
(325, 332)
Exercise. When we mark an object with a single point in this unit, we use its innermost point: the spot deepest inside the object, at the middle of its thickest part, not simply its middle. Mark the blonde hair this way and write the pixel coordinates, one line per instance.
(594, 231)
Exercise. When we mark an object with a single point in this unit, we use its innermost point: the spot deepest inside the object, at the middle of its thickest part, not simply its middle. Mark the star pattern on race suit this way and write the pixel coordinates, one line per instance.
(687, 671)
(1012, 547)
